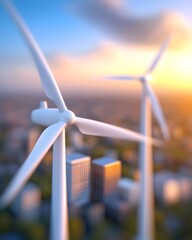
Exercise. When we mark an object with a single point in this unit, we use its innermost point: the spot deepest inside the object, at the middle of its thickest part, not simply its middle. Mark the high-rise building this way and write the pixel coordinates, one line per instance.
(106, 173)
(78, 179)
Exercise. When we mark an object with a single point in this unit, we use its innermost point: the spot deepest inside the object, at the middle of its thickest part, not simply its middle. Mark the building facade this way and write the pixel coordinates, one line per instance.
(105, 174)
(78, 179)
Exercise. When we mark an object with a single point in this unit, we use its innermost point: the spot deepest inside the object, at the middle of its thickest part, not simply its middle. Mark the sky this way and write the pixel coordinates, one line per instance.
(86, 40)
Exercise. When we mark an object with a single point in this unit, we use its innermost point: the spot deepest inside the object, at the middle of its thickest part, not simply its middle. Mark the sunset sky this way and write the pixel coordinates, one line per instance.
(85, 40)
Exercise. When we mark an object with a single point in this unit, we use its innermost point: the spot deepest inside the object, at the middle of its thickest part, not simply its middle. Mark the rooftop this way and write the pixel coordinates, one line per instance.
(128, 183)
(76, 157)
(103, 161)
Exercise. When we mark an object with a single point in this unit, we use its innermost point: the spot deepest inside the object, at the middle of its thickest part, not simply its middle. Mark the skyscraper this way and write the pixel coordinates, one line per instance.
(78, 179)
(106, 173)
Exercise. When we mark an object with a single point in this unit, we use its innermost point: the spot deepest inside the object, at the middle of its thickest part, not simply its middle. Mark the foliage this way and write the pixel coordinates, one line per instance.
(31, 230)
(5, 222)
(76, 228)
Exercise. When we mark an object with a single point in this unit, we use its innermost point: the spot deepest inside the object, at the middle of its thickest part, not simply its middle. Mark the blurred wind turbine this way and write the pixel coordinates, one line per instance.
(148, 101)
(57, 119)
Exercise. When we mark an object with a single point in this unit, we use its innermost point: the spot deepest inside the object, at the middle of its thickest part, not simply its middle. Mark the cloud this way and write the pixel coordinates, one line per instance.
(84, 75)
(117, 4)
(74, 74)
(137, 30)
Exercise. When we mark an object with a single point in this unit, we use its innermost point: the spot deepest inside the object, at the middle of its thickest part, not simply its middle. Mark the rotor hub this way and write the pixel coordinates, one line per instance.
(67, 116)
(47, 116)
(148, 77)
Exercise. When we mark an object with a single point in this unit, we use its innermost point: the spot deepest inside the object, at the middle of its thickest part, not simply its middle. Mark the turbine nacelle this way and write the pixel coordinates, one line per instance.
(146, 78)
(47, 116)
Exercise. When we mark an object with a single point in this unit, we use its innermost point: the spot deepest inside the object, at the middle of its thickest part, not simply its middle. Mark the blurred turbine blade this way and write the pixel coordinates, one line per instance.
(159, 54)
(49, 84)
(43, 144)
(125, 78)
(158, 112)
(95, 128)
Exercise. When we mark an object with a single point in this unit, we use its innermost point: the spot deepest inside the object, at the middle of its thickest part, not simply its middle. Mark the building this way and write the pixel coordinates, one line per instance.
(14, 144)
(129, 190)
(93, 214)
(171, 188)
(119, 206)
(167, 187)
(28, 203)
(78, 179)
(32, 136)
(106, 173)
(76, 139)
(117, 209)
(185, 188)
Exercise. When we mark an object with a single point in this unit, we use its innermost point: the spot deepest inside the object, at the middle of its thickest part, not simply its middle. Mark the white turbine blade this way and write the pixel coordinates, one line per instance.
(125, 78)
(49, 84)
(43, 144)
(159, 54)
(95, 128)
(158, 112)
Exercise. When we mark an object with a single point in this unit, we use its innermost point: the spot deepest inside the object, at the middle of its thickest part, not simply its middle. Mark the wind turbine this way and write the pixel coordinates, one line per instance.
(148, 101)
(56, 120)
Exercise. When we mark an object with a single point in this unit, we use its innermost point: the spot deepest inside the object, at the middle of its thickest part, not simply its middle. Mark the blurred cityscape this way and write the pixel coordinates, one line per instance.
(102, 174)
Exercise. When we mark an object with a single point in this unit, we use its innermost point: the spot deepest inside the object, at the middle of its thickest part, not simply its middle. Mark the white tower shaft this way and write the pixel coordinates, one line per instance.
(59, 224)
(146, 205)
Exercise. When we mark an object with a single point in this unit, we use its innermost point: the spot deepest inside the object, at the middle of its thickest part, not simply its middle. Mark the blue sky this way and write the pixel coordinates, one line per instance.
(152, 6)
(56, 29)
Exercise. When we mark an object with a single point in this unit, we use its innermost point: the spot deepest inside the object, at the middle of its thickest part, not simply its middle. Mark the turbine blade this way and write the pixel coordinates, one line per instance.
(49, 84)
(159, 54)
(43, 144)
(125, 78)
(158, 112)
(95, 128)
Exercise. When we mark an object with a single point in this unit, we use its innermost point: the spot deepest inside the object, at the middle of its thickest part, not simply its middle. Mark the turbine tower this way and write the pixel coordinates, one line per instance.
(148, 101)
(56, 120)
